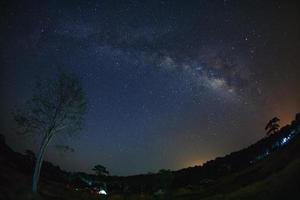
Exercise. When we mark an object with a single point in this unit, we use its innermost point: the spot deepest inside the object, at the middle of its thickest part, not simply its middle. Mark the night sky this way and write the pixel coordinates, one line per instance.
(170, 84)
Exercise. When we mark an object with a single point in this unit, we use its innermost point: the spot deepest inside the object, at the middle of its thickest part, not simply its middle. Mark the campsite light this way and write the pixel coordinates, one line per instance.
(285, 140)
(102, 192)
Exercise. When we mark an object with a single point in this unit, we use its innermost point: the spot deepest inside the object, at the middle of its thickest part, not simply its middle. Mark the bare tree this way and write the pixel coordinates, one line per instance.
(272, 126)
(56, 107)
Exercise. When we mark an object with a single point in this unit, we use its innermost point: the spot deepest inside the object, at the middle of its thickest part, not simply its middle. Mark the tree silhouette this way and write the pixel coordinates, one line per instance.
(2, 139)
(165, 179)
(272, 126)
(30, 154)
(100, 170)
(56, 107)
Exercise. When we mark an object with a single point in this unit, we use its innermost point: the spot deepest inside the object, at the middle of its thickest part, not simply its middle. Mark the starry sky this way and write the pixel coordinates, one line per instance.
(170, 84)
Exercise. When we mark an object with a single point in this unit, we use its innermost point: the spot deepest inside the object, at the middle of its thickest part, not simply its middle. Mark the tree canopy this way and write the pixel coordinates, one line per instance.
(100, 170)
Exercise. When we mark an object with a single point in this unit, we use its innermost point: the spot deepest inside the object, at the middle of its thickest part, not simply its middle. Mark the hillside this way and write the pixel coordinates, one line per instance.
(273, 175)
(268, 169)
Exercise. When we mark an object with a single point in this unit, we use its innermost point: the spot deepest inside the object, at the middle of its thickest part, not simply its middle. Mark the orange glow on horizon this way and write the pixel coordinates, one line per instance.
(194, 162)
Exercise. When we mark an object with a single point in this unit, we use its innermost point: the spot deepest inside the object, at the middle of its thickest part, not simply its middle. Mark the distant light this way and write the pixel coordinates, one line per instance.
(102, 192)
(285, 140)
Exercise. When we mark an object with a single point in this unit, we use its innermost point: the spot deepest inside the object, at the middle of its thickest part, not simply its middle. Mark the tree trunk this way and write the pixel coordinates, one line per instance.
(39, 162)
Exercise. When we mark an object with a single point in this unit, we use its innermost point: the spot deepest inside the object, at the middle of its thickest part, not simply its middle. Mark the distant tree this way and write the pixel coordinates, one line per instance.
(30, 154)
(56, 107)
(2, 139)
(272, 126)
(100, 170)
(64, 148)
(165, 179)
(164, 171)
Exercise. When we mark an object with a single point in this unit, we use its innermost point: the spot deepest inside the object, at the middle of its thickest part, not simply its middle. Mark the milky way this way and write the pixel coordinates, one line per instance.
(170, 84)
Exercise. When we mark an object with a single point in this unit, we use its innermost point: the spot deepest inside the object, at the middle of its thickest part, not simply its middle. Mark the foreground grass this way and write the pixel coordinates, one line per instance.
(284, 184)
